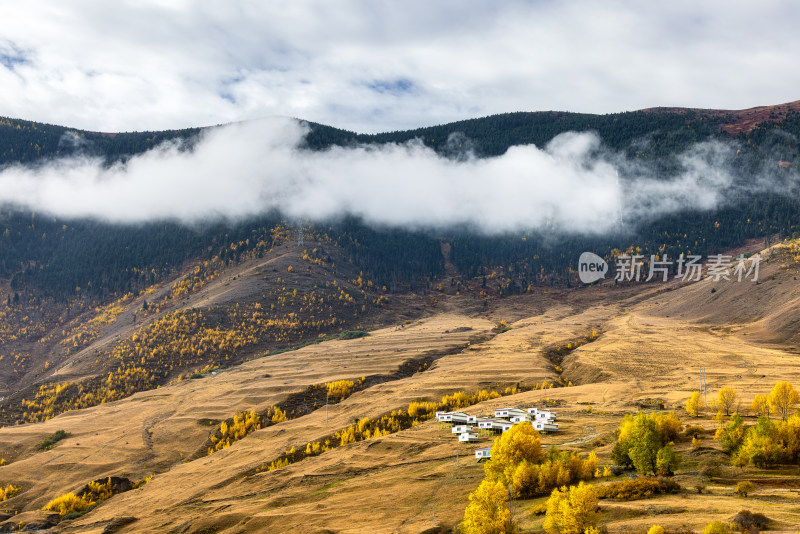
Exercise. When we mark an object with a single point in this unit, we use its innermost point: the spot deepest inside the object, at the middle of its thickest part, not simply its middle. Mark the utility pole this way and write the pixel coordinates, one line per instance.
(434, 516)
(327, 394)
(456, 456)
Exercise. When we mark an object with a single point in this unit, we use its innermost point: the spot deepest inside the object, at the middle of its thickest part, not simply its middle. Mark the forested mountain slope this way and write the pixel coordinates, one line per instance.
(67, 284)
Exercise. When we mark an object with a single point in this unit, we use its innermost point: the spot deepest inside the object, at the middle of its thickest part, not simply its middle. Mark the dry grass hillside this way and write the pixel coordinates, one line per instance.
(648, 344)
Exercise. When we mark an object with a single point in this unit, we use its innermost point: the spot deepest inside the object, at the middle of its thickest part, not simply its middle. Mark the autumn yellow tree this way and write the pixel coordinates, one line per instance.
(520, 443)
(694, 405)
(640, 441)
(69, 503)
(731, 436)
(720, 418)
(782, 399)
(487, 511)
(744, 488)
(9, 491)
(716, 527)
(561, 468)
(760, 405)
(727, 399)
(770, 443)
(572, 510)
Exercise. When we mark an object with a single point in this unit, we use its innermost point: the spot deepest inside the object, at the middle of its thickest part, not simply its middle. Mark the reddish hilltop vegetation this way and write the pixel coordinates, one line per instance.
(742, 120)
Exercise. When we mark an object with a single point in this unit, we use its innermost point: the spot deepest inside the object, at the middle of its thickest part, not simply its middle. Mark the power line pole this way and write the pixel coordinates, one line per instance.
(327, 395)
(545, 385)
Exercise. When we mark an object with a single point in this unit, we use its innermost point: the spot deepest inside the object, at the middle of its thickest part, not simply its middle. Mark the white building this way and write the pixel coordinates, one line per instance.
(545, 426)
(468, 437)
(508, 413)
(453, 417)
(541, 415)
(492, 424)
(458, 429)
(520, 419)
(483, 454)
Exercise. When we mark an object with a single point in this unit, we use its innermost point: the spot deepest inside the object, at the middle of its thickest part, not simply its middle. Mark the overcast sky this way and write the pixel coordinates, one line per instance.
(376, 66)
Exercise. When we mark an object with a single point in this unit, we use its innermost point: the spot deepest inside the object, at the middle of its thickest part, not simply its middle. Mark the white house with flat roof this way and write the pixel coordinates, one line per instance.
(508, 413)
(483, 453)
(453, 417)
(468, 437)
(458, 429)
(491, 424)
(545, 426)
(541, 415)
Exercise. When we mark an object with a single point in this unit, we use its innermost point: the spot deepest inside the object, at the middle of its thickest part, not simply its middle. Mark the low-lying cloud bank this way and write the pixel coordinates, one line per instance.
(572, 184)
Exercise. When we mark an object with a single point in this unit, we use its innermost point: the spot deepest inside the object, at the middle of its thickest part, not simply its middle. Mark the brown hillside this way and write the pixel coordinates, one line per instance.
(742, 120)
(645, 351)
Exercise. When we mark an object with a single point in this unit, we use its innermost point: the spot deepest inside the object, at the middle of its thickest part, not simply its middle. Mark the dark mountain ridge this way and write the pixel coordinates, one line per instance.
(54, 256)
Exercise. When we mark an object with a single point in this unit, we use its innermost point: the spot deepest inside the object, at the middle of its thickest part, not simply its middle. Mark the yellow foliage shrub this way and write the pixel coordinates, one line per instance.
(278, 415)
(571, 510)
(487, 511)
(243, 424)
(69, 503)
(560, 469)
(638, 488)
(99, 491)
(342, 389)
(8, 492)
(716, 527)
(142, 482)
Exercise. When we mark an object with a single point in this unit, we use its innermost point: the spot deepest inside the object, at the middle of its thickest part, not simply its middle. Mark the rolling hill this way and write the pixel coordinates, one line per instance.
(146, 343)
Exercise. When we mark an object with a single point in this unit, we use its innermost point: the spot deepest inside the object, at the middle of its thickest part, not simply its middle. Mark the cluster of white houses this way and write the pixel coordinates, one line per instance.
(504, 419)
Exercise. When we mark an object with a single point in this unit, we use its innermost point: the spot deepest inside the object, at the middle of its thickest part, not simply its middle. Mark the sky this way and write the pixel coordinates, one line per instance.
(373, 66)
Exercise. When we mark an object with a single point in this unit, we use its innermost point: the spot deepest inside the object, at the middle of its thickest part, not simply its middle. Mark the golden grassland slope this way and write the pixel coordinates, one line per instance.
(285, 297)
(767, 311)
(652, 339)
(153, 430)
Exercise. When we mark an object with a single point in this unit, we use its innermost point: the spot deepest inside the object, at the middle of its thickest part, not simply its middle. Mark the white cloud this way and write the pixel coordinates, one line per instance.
(234, 171)
(128, 65)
